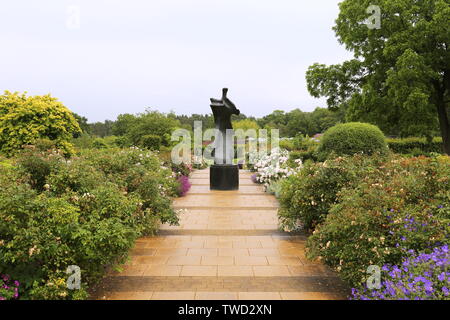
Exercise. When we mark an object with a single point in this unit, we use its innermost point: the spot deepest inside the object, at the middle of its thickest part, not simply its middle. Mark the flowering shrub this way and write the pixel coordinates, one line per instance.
(424, 276)
(272, 167)
(307, 195)
(86, 211)
(181, 169)
(8, 289)
(397, 206)
(185, 185)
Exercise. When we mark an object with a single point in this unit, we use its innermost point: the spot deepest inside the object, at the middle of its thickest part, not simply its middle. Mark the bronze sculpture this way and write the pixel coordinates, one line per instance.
(223, 174)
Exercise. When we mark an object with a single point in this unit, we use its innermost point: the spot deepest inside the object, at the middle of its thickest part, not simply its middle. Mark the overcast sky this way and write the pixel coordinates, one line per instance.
(127, 55)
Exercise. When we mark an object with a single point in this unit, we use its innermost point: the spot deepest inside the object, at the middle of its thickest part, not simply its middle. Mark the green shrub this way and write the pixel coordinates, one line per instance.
(151, 142)
(310, 154)
(99, 143)
(24, 120)
(86, 211)
(304, 142)
(415, 146)
(351, 138)
(397, 206)
(287, 144)
(307, 196)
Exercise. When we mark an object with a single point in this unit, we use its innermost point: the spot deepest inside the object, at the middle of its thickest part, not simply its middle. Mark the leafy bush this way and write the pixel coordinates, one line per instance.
(287, 144)
(134, 127)
(415, 146)
(37, 165)
(352, 138)
(424, 276)
(99, 143)
(86, 141)
(181, 169)
(304, 142)
(307, 196)
(396, 206)
(308, 155)
(151, 142)
(86, 211)
(23, 120)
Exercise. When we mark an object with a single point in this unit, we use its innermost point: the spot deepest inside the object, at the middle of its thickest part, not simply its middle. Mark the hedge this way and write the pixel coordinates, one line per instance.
(415, 146)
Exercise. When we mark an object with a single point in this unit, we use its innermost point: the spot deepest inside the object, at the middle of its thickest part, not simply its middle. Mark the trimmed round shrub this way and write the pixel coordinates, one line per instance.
(351, 138)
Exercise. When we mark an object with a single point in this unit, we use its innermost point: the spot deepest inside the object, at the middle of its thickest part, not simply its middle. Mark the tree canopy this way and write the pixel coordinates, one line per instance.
(399, 78)
(136, 128)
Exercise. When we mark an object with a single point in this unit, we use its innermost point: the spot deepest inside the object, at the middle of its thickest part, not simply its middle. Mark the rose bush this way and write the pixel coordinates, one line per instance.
(272, 167)
(85, 211)
(397, 206)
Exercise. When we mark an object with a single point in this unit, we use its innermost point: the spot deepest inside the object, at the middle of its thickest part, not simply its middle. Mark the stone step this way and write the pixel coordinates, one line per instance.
(205, 181)
(243, 189)
(231, 201)
(217, 295)
(257, 288)
(226, 246)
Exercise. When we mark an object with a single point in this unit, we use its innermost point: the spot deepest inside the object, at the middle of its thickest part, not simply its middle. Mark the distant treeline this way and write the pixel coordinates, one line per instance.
(289, 123)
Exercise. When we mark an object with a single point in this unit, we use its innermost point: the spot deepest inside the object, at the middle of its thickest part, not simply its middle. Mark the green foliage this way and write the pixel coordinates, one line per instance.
(415, 146)
(307, 196)
(141, 130)
(398, 78)
(37, 165)
(83, 123)
(151, 142)
(86, 211)
(307, 155)
(396, 206)
(101, 129)
(23, 120)
(298, 122)
(351, 138)
(86, 141)
(287, 144)
(245, 125)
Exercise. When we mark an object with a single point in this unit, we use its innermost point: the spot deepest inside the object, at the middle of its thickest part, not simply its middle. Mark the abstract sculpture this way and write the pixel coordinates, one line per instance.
(223, 174)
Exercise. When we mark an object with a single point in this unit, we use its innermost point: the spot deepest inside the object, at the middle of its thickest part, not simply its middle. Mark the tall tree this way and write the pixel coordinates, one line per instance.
(399, 78)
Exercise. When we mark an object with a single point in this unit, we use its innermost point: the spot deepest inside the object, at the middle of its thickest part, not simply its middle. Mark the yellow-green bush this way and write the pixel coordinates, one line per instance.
(23, 120)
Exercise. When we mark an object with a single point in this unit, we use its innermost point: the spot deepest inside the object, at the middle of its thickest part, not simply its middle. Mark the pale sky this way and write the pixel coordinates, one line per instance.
(170, 55)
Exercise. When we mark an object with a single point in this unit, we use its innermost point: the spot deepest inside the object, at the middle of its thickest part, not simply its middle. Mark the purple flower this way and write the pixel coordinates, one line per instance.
(445, 291)
(185, 185)
(423, 276)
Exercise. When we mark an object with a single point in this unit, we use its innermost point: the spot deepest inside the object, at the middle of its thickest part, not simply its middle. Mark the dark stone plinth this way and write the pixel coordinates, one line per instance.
(224, 177)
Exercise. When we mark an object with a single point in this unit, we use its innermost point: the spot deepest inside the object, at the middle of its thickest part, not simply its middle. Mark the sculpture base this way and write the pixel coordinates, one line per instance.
(224, 177)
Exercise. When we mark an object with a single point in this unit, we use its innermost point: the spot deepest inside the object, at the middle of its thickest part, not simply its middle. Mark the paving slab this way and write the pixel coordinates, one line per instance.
(227, 246)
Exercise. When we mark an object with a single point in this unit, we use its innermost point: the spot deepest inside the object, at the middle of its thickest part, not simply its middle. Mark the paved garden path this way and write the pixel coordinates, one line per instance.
(227, 246)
